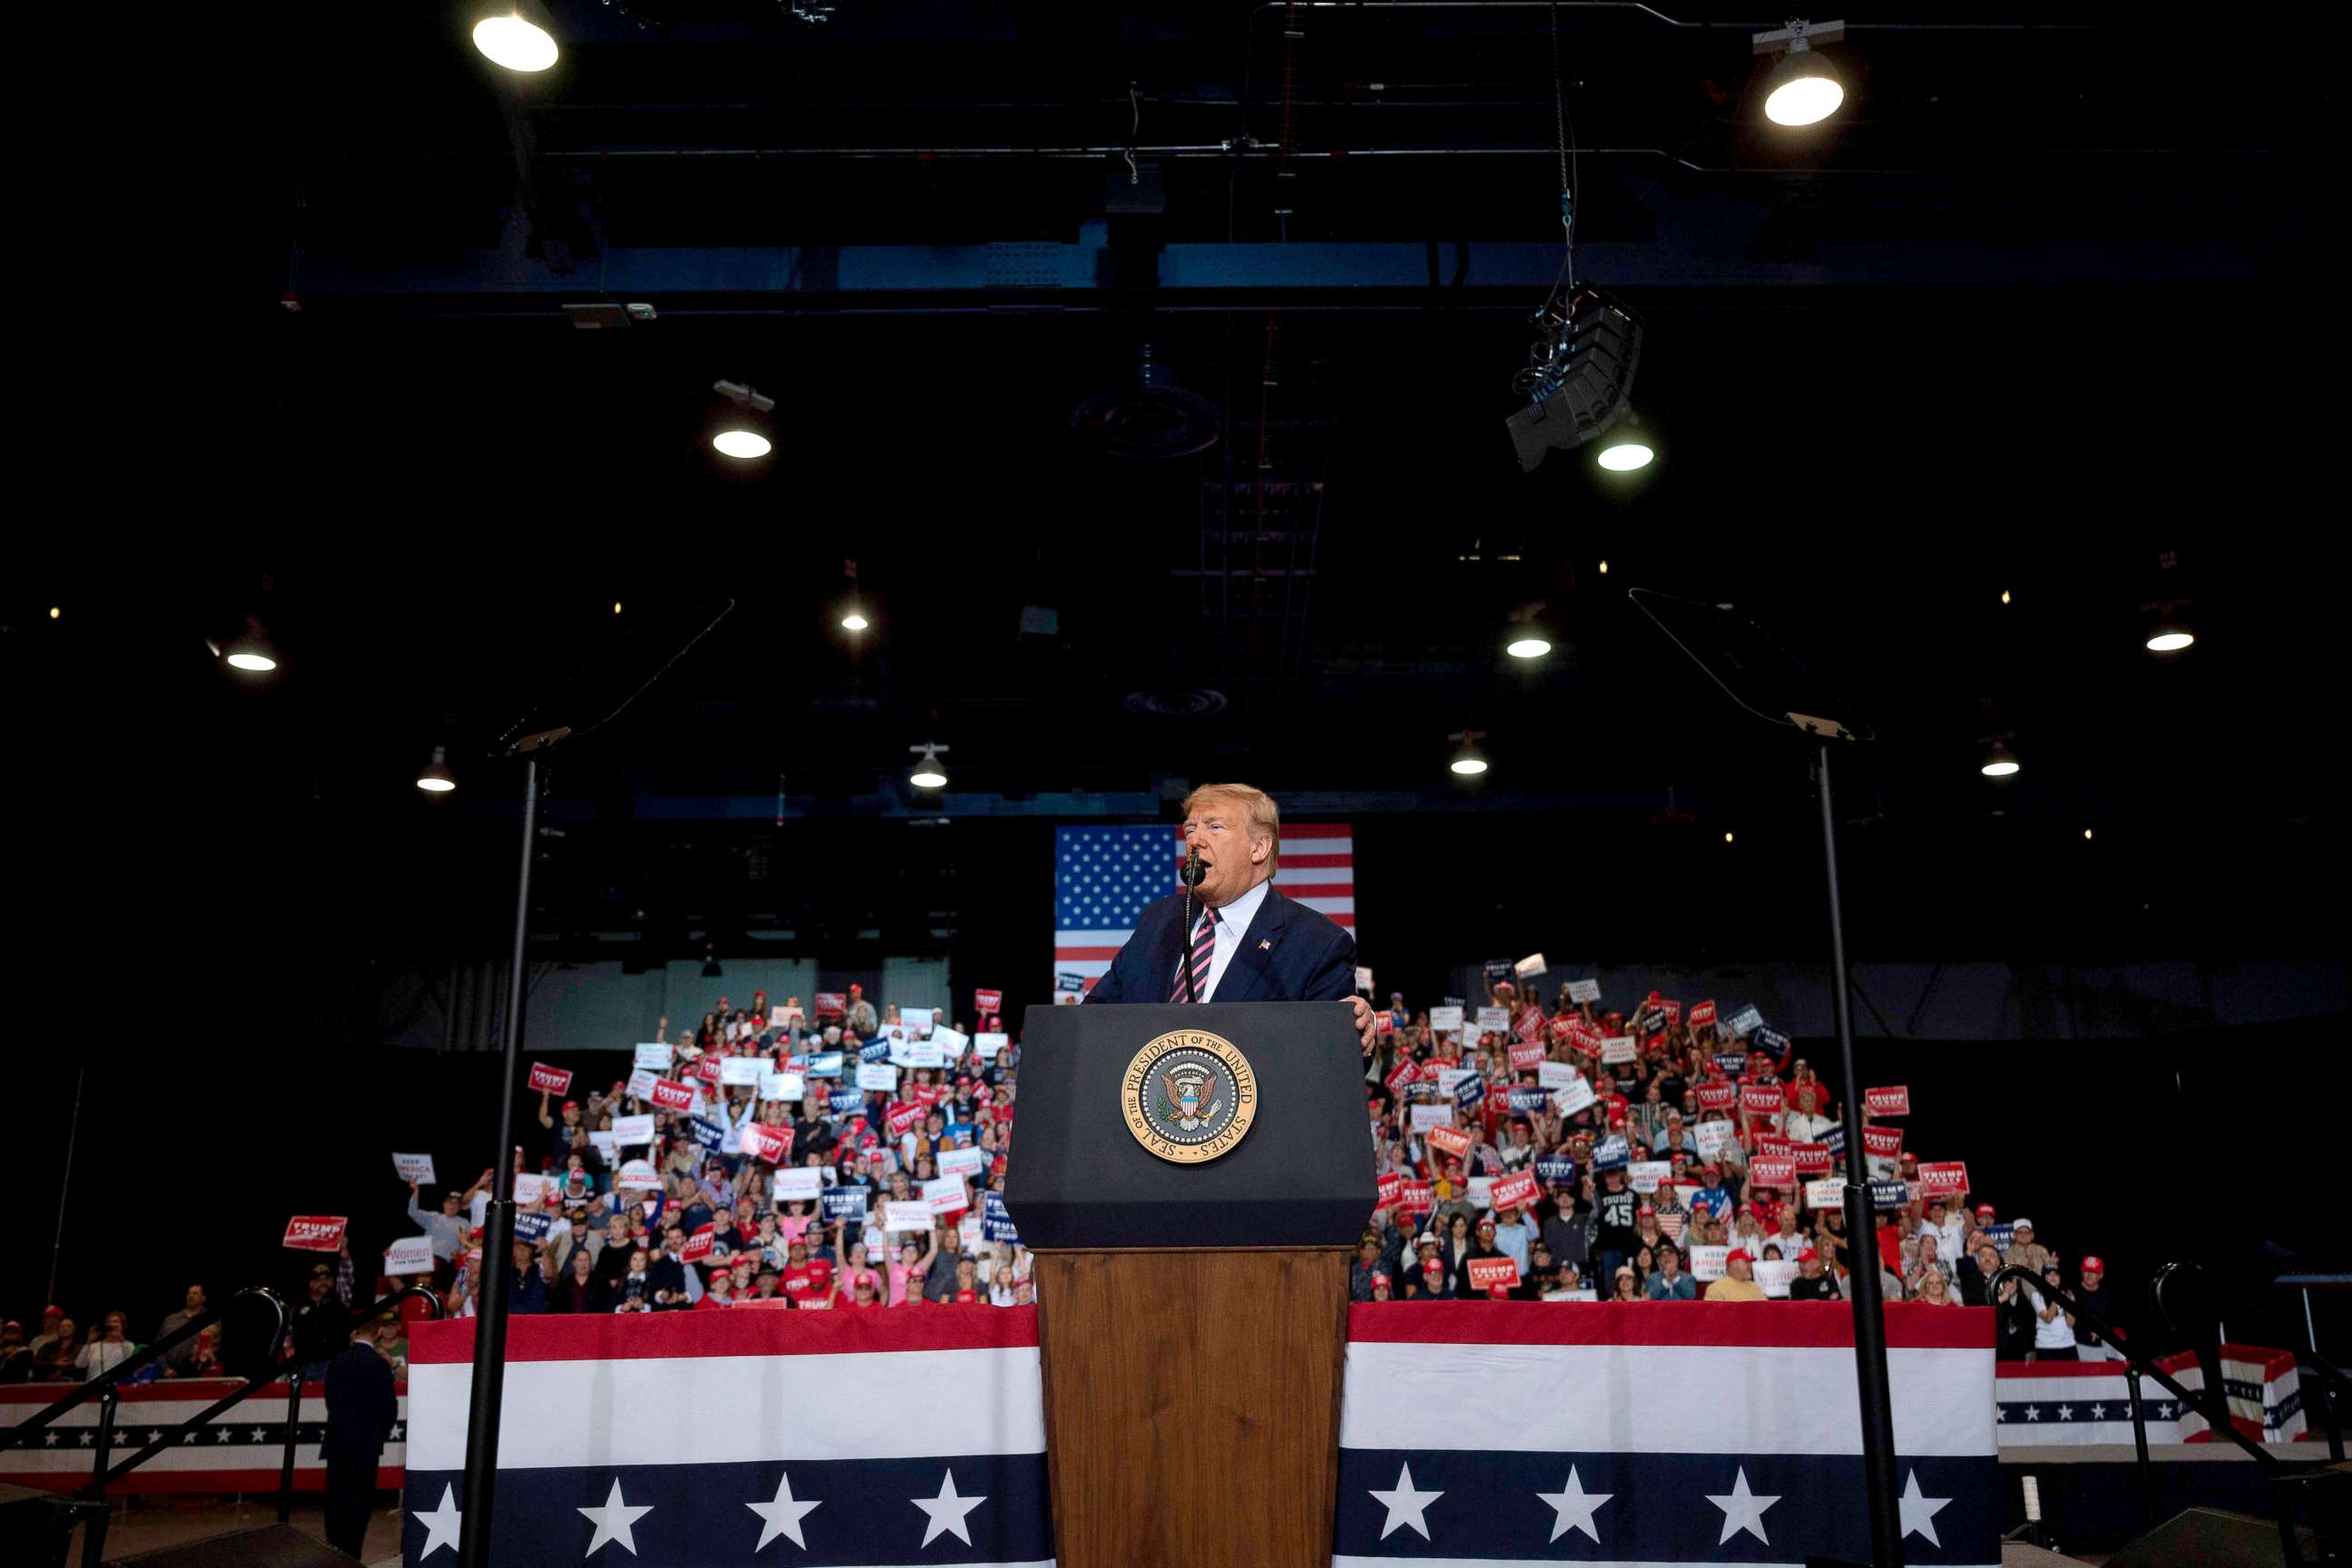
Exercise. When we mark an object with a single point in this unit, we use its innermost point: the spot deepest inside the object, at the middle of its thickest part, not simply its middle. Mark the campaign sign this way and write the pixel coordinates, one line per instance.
(962, 1162)
(1834, 1141)
(1469, 1089)
(1421, 1117)
(1708, 1262)
(1478, 1191)
(1403, 1073)
(1497, 969)
(1778, 1170)
(670, 1096)
(1702, 1014)
(781, 1086)
(1882, 1143)
(605, 1143)
(697, 1246)
(1068, 985)
(1825, 1194)
(989, 1042)
(846, 1201)
(1527, 1057)
(1946, 1179)
(708, 1133)
(411, 1256)
(917, 1021)
(1774, 1274)
(1773, 1144)
(1584, 991)
(913, 1216)
(629, 1130)
(1618, 1048)
(412, 1167)
(315, 1232)
(1513, 1192)
(1387, 1190)
(1646, 1176)
(1493, 1273)
(1563, 1027)
(1714, 1096)
(1497, 1019)
(1531, 1025)
(1889, 1194)
(2002, 1236)
(773, 1145)
(1746, 1019)
(823, 1064)
(1445, 1020)
(995, 1224)
(831, 1002)
(533, 1227)
(1894, 1101)
(1451, 1141)
(1530, 966)
(530, 1188)
(944, 1194)
(1576, 1097)
(1419, 1196)
(926, 1054)
(1731, 1064)
(987, 1002)
(657, 1054)
(1556, 1172)
(1710, 1138)
(1557, 1075)
(899, 1118)
(1772, 1042)
(952, 1042)
(1761, 1098)
(873, 1051)
(1613, 1152)
(1528, 1099)
(551, 1080)
(799, 1184)
(741, 1072)
(1811, 1159)
(706, 1070)
(638, 1174)
(879, 1076)
(844, 1102)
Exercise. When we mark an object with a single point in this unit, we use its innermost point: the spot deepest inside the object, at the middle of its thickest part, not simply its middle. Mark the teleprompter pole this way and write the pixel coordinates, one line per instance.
(1862, 1230)
(497, 1236)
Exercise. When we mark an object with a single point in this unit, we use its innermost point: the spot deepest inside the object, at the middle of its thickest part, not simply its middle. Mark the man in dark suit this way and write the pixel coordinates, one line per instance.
(362, 1407)
(1248, 942)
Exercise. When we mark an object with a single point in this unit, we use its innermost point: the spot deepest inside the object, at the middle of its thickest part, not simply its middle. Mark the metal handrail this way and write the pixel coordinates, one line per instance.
(106, 1382)
(294, 1396)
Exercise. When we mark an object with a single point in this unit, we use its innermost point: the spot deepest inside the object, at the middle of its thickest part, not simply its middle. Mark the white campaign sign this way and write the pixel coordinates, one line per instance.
(1584, 991)
(530, 1190)
(989, 1044)
(1425, 1117)
(1647, 1174)
(1482, 1192)
(607, 1145)
(627, 1129)
(413, 1168)
(1827, 1193)
(1530, 966)
(1557, 1075)
(917, 1021)
(1708, 1262)
(1774, 1274)
(1710, 1138)
(1574, 1097)
(740, 1072)
(413, 1254)
(1448, 1077)
(952, 1042)
(926, 1054)
(1618, 1048)
(1363, 978)
(902, 1047)
(962, 1162)
(878, 1075)
(944, 1194)
(798, 1184)
(1445, 1020)
(905, 1217)
(1496, 1018)
(657, 1054)
(780, 1086)
(641, 1083)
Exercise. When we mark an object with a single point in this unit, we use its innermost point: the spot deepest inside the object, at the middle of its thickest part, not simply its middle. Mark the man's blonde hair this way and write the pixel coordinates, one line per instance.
(1263, 817)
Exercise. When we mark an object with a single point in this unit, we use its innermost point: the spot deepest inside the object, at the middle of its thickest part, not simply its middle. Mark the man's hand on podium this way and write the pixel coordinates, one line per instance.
(1364, 1022)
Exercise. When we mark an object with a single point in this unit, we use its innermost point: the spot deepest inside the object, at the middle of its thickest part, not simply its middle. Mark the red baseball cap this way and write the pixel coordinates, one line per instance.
(2092, 1264)
(1380, 1279)
(1983, 1209)
(856, 987)
(1737, 1255)
(1808, 1255)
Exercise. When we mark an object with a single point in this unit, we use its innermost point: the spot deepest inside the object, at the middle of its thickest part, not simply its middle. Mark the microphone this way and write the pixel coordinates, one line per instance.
(1192, 870)
(1190, 874)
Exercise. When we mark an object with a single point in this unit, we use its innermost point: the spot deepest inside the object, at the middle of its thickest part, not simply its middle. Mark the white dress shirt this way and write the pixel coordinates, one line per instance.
(1233, 920)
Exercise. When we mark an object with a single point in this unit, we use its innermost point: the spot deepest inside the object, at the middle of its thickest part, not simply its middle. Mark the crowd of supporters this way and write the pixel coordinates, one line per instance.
(1559, 1153)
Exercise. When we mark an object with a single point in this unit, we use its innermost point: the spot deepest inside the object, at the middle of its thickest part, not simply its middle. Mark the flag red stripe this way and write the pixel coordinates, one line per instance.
(1318, 862)
(1084, 954)
(661, 1335)
(1318, 830)
(1318, 889)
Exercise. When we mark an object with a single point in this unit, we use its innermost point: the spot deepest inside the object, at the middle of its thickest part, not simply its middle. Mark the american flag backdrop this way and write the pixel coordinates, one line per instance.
(1104, 876)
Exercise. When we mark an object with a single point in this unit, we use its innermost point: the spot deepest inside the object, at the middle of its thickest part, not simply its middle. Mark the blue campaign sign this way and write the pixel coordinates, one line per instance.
(827, 1065)
(995, 1224)
(1889, 1194)
(873, 1051)
(1731, 1064)
(708, 1133)
(844, 1102)
(533, 1227)
(1470, 1091)
(1529, 1099)
(1834, 1141)
(1772, 1042)
(1613, 1152)
(844, 1201)
(1556, 1172)
(2001, 1234)
(1498, 969)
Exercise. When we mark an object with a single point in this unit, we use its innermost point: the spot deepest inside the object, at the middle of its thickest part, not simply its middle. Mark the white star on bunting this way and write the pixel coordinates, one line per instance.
(1573, 1508)
(948, 1512)
(2098, 1413)
(1743, 1510)
(1404, 1504)
(783, 1515)
(2032, 1414)
(1919, 1511)
(440, 1525)
(2065, 1412)
(613, 1519)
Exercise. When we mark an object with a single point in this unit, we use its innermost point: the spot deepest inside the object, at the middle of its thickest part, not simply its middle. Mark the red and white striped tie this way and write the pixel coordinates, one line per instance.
(1205, 947)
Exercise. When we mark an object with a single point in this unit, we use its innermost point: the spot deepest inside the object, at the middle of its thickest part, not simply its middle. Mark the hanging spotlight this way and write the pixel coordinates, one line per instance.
(1727, 839)
(740, 430)
(711, 969)
(436, 778)
(2004, 595)
(249, 650)
(1604, 568)
(1802, 88)
(2168, 633)
(1467, 760)
(516, 34)
(928, 773)
(1523, 636)
(2000, 762)
(56, 610)
(1627, 447)
(852, 609)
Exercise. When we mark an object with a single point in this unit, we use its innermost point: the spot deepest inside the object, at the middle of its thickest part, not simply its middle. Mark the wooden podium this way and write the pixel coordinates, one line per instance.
(1192, 1310)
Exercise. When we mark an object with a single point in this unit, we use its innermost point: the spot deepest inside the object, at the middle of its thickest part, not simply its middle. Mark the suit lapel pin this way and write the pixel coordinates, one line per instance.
(1265, 944)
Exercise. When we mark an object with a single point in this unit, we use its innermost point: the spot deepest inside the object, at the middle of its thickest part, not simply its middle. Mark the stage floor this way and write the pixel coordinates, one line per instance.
(150, 1523)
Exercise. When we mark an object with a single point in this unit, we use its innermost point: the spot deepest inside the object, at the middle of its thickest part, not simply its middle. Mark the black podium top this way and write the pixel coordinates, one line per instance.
(1300, 1176)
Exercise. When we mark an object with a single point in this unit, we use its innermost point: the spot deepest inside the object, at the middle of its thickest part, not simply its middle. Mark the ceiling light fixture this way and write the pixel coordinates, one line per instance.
(1523, 636)
(711, 969)
(1604, 568)
(2168, 633)
(436, 778)
(1627, 447)
(1802, 88)
(928, 773)
(1467, 760)
(741, 428)
(516, 34)
(2000, 762)
(1526, 645)
(249, 651)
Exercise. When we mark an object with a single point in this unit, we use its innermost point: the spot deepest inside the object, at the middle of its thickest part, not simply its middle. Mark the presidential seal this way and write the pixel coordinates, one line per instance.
(1189, 1096)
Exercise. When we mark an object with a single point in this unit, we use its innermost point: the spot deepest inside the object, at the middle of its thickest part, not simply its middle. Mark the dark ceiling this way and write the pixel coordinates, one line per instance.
(2021, 317)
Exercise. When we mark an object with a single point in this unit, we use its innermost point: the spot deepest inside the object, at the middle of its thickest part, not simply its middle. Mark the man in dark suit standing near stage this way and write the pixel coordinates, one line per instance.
(1248, 942)
(362, 1407)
